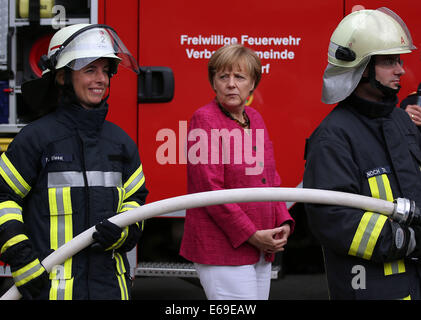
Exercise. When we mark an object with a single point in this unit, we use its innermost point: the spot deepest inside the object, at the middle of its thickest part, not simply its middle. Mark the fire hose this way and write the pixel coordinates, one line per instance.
(401, 210)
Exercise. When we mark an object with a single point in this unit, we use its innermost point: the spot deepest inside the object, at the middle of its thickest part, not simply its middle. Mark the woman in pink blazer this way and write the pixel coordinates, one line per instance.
(233, 245)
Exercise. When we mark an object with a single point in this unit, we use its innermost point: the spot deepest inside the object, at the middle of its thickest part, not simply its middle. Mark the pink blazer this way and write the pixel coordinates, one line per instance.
(217, 235)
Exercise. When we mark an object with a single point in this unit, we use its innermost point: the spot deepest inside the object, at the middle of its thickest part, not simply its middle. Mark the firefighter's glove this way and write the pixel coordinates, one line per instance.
(416, 234)
(109, 236)
(406, 242)
(28, 273)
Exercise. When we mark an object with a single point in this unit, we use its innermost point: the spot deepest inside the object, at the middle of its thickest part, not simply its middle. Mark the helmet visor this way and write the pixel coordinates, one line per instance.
(94, 43)
(406, 39)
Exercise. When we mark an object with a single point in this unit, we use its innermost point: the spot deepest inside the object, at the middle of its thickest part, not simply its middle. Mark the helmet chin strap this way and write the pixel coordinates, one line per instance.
(388, 92)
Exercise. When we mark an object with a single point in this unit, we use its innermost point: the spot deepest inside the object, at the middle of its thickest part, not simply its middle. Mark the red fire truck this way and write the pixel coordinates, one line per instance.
(172, 42)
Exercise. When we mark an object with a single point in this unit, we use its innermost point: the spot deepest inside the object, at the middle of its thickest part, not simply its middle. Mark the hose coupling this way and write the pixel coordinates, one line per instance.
(406, 212)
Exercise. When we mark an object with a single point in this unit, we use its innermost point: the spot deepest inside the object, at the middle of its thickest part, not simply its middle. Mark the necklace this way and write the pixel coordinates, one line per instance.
(245, 124)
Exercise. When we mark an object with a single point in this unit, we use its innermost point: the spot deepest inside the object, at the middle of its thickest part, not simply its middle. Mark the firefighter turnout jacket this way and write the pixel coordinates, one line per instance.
(62, 174)
(371, 149)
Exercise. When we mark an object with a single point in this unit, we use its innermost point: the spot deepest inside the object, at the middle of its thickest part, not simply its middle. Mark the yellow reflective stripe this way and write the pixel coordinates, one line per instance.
(9, 217)
(387, 188)
(61, 289)
(27, 273)
(120, 241)
(129, 206)
(380, 189)
(68, 293)
(121, 270)
(136, 180)
(366, 236)
(13, 177)
(121, 193)
(61, 231)
(53, 218)
(373, 187)
(10, 204)
(67, 202)
(10, 210)
(55, 283)
(12, 241)
(394, 267)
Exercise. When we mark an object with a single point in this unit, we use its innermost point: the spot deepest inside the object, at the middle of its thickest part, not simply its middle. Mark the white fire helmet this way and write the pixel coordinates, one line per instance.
(360, 35)
(75, 47)
(78, 45)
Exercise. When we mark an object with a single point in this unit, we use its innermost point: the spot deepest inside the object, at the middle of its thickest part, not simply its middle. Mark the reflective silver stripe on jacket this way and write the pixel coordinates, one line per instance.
(13, 177)
(75, 179)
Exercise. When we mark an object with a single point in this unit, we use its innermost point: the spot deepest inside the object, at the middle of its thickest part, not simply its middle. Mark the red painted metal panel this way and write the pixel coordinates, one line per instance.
(123, 17)
(288, 97)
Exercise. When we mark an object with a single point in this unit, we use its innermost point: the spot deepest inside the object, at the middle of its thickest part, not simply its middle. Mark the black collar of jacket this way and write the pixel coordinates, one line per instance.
(73, 114)
(372, 109)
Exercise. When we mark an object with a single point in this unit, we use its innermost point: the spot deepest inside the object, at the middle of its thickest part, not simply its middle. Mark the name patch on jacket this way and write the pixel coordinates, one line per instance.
(377, 171)
(57, 157)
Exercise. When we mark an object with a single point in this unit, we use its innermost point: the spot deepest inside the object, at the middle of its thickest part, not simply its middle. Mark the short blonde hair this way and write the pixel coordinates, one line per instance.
(225, 58)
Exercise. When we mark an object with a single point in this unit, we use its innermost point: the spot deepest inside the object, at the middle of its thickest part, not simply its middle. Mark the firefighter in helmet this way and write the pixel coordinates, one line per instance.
(69, 170)
(366, 146)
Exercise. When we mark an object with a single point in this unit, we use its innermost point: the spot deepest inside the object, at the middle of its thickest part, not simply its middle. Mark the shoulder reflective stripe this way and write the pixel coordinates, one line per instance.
(75, 179)
(134, 182)
(10, 210)
(366, 236)
(12, 177)
(12, 241)
(121, 270)
(394, 267)
(27, 273)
